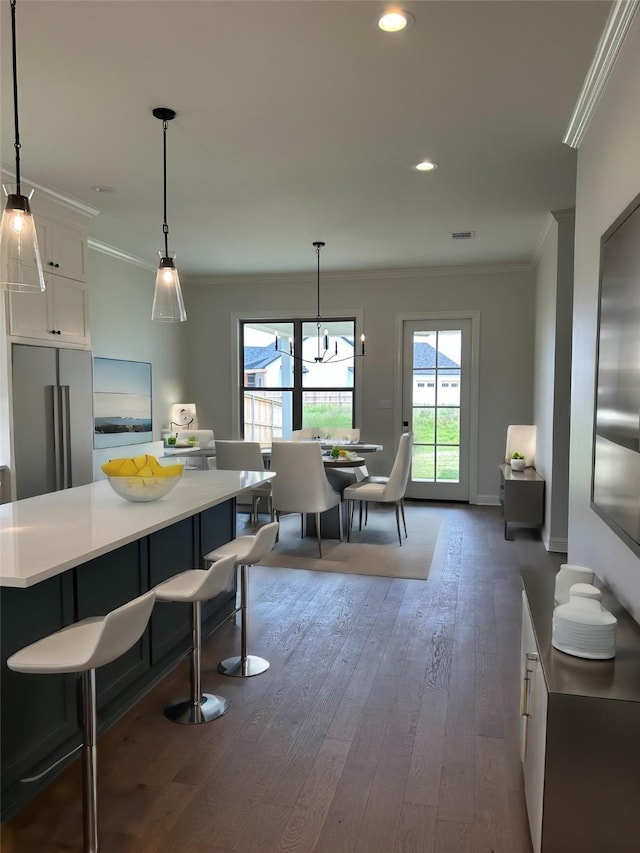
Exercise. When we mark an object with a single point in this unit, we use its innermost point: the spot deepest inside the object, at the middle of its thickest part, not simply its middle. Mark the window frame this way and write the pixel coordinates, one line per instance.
(239, 320)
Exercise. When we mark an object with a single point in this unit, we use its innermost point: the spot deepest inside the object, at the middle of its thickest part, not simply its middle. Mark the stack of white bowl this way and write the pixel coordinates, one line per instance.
(583, 627)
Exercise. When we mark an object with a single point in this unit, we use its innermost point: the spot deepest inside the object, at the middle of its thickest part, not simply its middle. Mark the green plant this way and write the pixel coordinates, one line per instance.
(335, 452)
(517, 455)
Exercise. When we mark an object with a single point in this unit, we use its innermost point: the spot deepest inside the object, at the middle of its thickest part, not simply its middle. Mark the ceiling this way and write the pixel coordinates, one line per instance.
(300, 121)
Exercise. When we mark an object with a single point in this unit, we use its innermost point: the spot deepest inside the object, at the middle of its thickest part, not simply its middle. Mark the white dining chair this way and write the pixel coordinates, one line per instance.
(245, 456)
(305, 434)
(301, 484)
(389, 489)
(345, 435)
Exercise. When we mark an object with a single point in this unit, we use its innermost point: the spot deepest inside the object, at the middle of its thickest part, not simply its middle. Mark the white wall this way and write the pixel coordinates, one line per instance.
(552, 383)
(504, 296)
(120, 300)
(608, 180)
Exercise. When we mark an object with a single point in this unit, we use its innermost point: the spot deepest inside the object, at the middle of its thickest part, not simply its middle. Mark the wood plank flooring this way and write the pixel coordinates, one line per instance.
(387, 723)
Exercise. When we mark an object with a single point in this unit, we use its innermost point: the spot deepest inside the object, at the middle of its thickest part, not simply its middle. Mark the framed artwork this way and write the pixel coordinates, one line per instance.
(121, 402)
(615, 482)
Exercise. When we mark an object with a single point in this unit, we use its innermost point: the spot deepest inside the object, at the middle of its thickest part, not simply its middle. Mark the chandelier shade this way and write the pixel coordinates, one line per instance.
(168, 306)
(20, 263)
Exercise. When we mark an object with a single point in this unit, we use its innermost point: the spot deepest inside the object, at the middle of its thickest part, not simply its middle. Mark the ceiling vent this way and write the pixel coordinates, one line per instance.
(463, 235)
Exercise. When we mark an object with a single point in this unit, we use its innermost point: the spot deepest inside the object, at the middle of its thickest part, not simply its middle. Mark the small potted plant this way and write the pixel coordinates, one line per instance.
(518, 461)
(192, 440)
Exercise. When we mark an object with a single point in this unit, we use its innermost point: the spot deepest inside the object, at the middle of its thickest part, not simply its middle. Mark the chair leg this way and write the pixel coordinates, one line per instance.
(404, 521)
(245, 665)
(89, 763)
(318, 533)
(398, 522)
(200, 707)
(340, 518)
(349, 519)
(366, 514)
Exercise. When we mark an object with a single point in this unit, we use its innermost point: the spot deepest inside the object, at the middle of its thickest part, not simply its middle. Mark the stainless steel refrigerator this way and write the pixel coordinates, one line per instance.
(52, 418)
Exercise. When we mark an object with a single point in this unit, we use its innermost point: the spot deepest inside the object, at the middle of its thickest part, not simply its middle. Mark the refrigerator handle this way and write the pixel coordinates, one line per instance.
(55, 400)
(65, 436)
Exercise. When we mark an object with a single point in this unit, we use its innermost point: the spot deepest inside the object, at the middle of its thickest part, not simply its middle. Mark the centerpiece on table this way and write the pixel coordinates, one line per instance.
(142, 478)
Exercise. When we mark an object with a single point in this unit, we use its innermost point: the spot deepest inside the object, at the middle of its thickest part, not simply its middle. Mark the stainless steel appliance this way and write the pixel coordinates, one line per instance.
(52, 419)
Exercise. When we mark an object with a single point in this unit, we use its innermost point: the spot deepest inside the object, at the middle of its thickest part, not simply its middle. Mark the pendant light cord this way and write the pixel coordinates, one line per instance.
(165, 227)
(15, 94)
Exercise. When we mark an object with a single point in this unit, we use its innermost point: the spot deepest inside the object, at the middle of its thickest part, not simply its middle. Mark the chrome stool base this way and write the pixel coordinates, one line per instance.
(210, 708)
(243, 667)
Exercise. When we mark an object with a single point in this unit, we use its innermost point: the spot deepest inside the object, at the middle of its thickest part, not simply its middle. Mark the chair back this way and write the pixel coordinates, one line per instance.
(345, 434)
(305, 434)
(300, 484)
(121, 629)
(399, 476)
(239, 456)
(263, 542)
(218, 578)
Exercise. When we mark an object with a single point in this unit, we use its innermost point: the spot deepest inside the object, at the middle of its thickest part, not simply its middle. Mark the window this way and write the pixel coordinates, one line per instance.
(316, 390)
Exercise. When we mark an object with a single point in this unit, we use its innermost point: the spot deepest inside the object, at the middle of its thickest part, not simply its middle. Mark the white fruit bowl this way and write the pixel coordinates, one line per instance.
(143, 488)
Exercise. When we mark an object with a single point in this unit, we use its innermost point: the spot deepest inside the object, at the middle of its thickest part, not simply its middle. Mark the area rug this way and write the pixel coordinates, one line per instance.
(374, 551)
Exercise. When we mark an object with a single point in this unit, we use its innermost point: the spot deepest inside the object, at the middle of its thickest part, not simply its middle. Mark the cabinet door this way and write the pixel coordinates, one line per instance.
(533, 721)
(59, 315)
(63, 248)
(28, 314)
(69, 311)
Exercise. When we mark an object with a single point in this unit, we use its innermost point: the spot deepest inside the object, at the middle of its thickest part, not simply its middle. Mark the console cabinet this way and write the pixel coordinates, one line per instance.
(580, 733)
(60, 315)
(521, 497)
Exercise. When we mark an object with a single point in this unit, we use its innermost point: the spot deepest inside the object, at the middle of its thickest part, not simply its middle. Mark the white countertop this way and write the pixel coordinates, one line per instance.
(43, 536)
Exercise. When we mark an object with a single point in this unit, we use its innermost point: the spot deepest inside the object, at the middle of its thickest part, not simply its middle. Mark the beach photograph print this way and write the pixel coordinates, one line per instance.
(121, 402)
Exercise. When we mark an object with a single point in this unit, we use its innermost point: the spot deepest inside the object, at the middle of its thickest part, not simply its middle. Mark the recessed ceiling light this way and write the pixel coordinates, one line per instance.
(426, 166)
(100, 188)
(395, 20)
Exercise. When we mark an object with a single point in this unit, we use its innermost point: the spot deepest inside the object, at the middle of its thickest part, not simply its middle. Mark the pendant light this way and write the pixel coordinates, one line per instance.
(168, 306)
(323, 350)
(20, 264)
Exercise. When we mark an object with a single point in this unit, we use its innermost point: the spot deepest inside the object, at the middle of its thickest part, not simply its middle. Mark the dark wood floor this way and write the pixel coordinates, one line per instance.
(388, 720)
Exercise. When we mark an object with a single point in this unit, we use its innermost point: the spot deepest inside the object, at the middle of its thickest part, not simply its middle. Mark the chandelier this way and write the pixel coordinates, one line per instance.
(325, 351)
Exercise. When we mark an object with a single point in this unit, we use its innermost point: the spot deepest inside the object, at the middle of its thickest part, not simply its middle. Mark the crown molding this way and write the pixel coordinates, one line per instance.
(566, 215)
(615, 31)
(105, 249)
(357, 275)
(58, 198)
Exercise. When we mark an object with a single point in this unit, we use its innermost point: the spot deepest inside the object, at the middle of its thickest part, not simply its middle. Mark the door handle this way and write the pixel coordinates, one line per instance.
(55, 404)
(65, 436)
(531, 662)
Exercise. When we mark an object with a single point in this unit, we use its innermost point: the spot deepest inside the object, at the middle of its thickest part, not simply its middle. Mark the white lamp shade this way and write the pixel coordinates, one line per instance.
(20, 264)
(168, 306)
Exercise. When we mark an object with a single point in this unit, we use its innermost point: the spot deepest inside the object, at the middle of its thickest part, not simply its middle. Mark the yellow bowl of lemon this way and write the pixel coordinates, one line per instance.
(142, 478)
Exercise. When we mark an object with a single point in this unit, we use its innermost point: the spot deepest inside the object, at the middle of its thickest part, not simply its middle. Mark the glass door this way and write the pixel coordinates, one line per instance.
(436, 395)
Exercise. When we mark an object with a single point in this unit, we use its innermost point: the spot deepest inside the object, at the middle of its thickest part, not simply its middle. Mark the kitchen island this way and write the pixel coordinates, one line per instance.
(82, 552)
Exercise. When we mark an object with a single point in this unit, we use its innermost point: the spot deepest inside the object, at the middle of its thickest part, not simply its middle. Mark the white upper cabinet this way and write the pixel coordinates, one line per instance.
(60, 315)
(63, 248)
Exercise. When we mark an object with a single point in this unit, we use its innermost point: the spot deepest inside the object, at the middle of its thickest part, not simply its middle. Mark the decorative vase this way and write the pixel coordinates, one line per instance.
(518, 464)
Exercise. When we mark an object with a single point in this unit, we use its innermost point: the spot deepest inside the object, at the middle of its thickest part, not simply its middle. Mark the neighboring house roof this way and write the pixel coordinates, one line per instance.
(257, 358)
(424, 360)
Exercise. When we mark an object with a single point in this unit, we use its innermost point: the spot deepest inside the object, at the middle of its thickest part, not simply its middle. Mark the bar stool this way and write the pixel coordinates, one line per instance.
(83, 647)
(247, 551)
(196, 586)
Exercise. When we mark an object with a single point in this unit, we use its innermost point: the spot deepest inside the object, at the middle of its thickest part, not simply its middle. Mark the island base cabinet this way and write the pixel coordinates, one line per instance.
(38, 711)
(40, 722)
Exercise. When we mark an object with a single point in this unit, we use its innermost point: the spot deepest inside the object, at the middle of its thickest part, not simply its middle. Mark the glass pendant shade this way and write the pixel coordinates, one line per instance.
(168, 306)
(20, 264)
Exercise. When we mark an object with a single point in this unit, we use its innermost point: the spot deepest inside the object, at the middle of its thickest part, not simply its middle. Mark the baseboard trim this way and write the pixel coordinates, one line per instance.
(556, 545)
(487, 500)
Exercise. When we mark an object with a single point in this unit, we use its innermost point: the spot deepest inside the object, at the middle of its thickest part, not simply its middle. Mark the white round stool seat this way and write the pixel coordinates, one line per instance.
(88, 644)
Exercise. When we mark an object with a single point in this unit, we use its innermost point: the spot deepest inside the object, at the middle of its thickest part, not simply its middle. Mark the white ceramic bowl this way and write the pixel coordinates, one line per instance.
(143, 488)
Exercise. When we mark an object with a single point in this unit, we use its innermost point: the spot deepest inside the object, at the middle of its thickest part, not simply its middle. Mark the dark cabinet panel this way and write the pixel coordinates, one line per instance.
(102, 585)
(38, 712)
